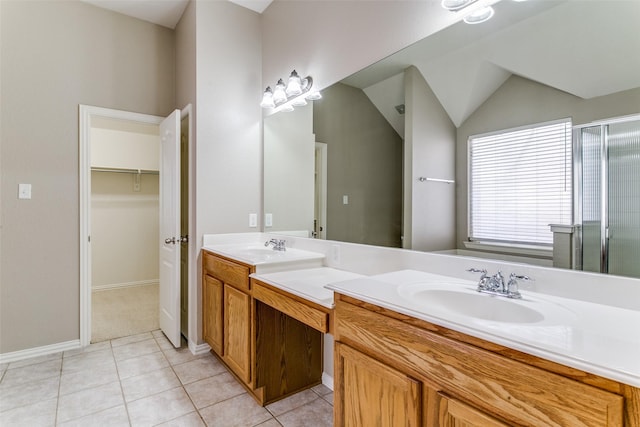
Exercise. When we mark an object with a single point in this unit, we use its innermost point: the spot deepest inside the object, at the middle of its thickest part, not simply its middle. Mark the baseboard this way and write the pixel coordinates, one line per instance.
(110, 286)
(327, 380)
(198, 348)
(39, 351)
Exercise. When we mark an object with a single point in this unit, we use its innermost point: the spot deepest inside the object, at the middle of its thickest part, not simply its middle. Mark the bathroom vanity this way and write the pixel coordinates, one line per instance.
(270, 337)
(423, 348)
(410, 372)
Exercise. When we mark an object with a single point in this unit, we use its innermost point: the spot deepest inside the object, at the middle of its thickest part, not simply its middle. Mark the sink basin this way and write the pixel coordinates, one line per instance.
(464, 301)
(259, 254)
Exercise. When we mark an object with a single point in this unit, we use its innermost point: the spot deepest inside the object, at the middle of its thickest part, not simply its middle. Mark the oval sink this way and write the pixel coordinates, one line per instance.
(465, 301)
(259, 254)
(479, 306)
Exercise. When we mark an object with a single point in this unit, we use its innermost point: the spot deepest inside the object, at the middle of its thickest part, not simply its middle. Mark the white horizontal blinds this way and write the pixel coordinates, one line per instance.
(520, 182)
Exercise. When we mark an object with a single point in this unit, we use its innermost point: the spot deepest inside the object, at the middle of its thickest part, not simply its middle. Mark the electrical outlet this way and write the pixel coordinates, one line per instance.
(268, 220)
(335, 254)
(24, 191)
(253, 220)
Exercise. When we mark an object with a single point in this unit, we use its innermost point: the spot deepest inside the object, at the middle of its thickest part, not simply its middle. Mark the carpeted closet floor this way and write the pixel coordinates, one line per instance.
(122, 312)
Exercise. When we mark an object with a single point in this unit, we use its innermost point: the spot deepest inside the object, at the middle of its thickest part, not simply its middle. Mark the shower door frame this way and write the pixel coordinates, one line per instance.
(604, 187)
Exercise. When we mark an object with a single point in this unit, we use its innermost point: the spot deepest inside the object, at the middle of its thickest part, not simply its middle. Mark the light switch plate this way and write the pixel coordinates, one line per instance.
(253, 220)
(24, 191)
(268, 220)
(345, 200)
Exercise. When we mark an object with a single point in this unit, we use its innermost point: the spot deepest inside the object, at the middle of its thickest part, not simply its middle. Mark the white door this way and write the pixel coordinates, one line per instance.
(170, 227)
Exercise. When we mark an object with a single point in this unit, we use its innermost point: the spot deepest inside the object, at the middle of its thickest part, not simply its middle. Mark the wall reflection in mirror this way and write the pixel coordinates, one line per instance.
(382, 158)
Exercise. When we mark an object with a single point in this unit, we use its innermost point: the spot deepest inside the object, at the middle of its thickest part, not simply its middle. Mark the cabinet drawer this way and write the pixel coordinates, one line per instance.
(236, 275)
(308, 315)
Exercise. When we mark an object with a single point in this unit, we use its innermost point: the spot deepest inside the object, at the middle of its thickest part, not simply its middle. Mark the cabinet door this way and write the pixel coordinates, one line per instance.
(453, 413)
(237, 331)
(212, 313)
(370, 393)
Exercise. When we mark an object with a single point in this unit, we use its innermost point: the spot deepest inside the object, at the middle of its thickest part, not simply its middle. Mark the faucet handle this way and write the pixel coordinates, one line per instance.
(477, 270)
(512, 286)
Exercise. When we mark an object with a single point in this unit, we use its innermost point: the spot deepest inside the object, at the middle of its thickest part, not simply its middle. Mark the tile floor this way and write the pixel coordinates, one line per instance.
(141, 380)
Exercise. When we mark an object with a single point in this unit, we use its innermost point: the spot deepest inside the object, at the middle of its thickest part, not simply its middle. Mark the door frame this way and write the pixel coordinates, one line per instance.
(320, 197)
(86, 112)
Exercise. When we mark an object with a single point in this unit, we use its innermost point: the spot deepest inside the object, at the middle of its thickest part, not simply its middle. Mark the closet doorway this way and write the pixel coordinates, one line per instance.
(125, 176)
(125, 228)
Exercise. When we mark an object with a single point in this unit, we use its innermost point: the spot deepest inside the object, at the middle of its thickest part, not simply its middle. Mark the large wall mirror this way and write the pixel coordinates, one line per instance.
(382, 158)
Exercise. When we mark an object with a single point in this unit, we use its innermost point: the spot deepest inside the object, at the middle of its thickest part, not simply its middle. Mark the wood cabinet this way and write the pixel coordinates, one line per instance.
(212, 305)
(237, 330)
(445, 378)
(453, 413)
(226, 312)
(270, 340)
(374, 393)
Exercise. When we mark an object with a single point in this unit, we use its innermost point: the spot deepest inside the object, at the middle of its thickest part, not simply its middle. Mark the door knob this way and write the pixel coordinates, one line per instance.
(184, 239)
(170, 240)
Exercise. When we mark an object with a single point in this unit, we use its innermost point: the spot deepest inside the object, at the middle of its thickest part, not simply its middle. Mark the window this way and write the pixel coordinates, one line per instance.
(519, 183)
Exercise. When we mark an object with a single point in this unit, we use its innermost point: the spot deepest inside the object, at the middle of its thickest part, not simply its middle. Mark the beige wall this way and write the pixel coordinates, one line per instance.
(430, 144)
(364, 163)
(124, 229)
(218, 72)
(520, 101)
(54, 56)
(289, 154)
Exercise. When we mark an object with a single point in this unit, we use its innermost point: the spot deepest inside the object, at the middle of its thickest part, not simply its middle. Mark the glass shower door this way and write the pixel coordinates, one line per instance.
(592, 141)
(623, 141)
(608, 206)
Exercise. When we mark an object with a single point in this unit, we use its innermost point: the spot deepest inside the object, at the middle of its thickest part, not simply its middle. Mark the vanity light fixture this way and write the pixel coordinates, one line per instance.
(454, 5)
(477, 16)
(295, 94)
(294, 85)
(279, 94)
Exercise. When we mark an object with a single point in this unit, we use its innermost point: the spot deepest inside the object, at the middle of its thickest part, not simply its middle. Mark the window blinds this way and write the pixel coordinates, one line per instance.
(519, 183)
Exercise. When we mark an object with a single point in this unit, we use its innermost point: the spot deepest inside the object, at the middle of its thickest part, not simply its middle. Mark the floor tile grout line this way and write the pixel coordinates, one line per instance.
(166, 353)
(171, 365)
(124, 400)
(55, 418)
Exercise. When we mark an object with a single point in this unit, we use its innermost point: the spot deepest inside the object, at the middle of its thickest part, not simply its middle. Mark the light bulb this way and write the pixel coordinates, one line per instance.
(267, 99)
(294, 86)
(279, 96)
(479, 16)
(456, 4)
(313, 96)
(299, 102)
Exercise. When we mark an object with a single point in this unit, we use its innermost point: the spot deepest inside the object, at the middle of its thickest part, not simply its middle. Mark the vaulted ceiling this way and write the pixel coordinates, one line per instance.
(585, 48)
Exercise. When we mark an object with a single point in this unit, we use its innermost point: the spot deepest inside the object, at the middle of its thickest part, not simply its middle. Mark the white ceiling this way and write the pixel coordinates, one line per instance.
(165, 12)
(585, 48)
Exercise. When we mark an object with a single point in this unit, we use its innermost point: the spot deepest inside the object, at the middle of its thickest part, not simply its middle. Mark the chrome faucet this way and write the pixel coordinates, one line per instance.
(496, 285)
(278, 245)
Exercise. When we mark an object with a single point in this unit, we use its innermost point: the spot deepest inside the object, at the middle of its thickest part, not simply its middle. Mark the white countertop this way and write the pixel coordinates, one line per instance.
(308, 283)
(596, 338)
(265, 259)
